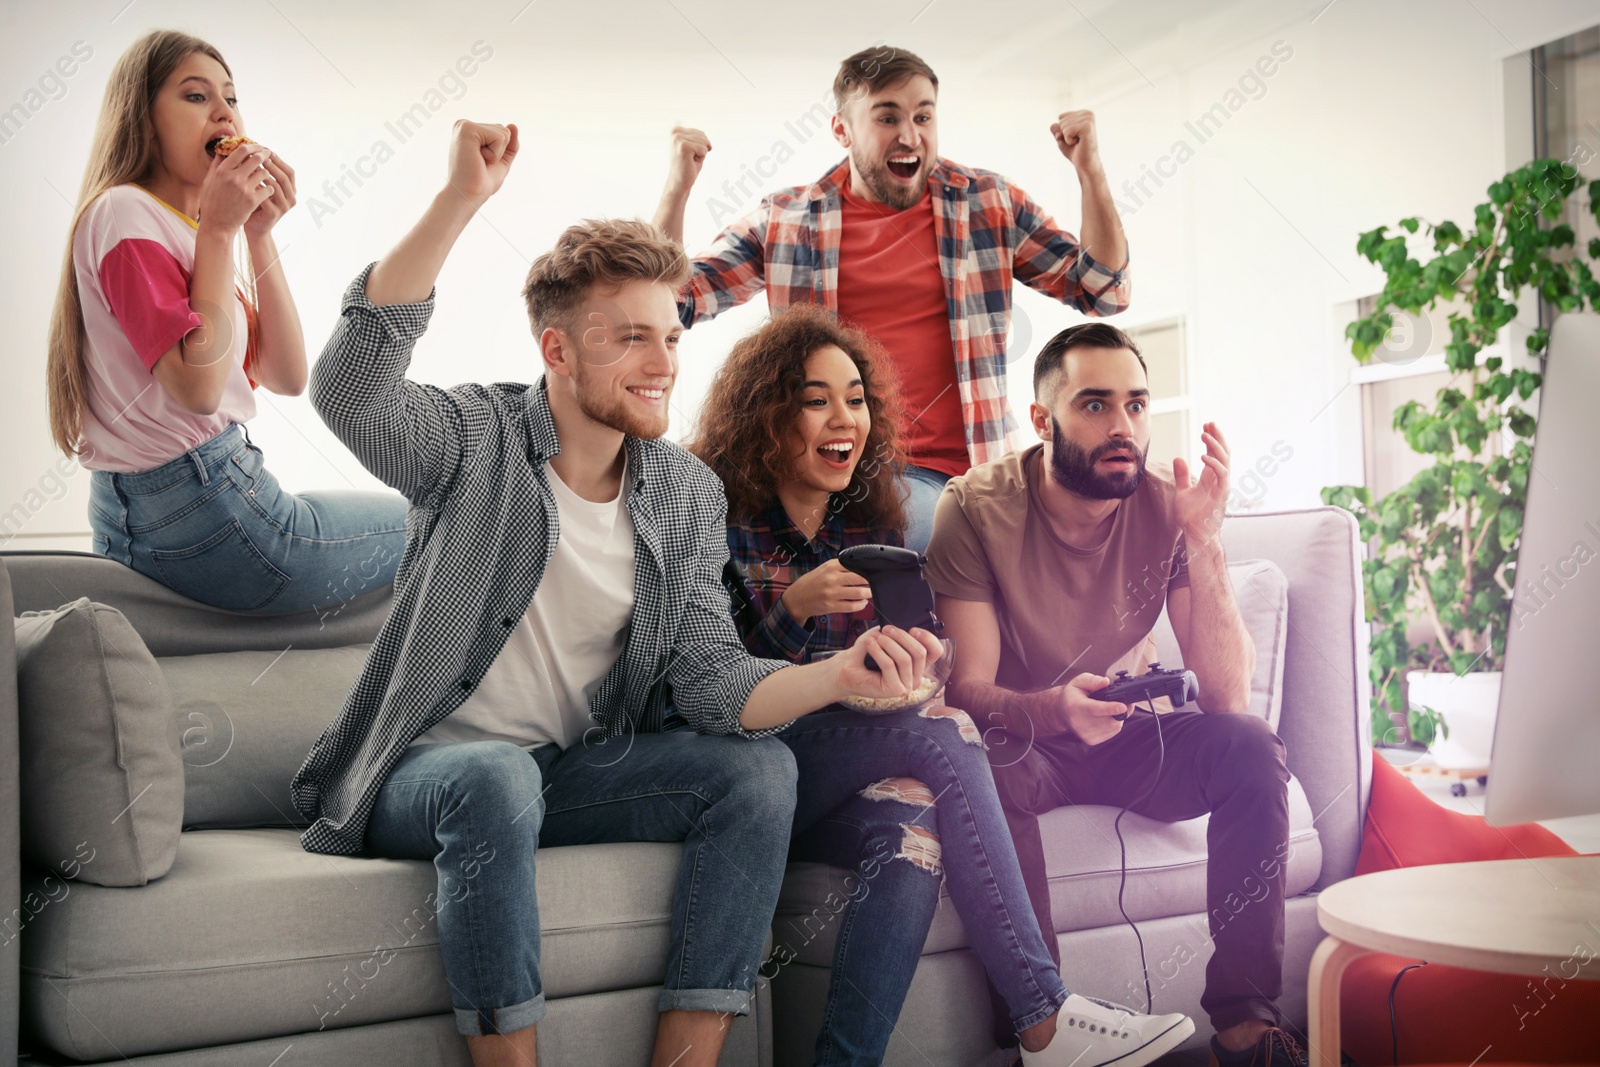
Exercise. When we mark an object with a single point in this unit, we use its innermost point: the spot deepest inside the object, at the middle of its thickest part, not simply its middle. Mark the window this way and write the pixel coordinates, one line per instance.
(1566, 118)
(1164, 345)
(1408, 366)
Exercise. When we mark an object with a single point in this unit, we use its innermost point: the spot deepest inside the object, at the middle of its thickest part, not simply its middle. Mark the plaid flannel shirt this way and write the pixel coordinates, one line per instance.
(989, 232)
(766, 554)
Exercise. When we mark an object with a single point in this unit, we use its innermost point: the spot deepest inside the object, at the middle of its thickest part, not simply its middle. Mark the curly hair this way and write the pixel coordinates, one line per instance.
(744, 429)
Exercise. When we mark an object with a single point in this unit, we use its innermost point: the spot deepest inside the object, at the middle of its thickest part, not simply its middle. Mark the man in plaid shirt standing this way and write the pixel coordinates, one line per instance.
(918, 251)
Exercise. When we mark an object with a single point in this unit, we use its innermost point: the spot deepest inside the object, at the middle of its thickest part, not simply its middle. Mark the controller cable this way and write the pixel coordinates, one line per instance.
(1394, 1025)
(1122, 846)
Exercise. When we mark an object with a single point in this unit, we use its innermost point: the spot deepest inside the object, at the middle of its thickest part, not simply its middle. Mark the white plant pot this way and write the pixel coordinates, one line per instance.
(1468, 703)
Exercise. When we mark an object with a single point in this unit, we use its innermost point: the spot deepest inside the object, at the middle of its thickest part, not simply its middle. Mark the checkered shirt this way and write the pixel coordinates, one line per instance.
(481, 528)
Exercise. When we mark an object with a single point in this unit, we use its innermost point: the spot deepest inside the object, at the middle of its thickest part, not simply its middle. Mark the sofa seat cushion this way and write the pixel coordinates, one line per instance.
(249, 936)
(1166, 877)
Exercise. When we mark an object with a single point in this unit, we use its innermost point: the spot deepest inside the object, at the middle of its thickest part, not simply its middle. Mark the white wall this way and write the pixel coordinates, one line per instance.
(1382, 111)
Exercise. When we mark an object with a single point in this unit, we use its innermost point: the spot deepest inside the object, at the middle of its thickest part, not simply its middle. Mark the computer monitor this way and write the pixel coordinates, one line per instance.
(1546, 757)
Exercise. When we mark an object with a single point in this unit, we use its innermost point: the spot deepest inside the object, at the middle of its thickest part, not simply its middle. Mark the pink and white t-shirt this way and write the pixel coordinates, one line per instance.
(134, 256)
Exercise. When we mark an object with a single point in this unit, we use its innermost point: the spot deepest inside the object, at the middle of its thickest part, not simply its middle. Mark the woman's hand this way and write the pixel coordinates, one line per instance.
(280, 180)
(234, 187)
(830, 589)
(902, 657)
(480, 158)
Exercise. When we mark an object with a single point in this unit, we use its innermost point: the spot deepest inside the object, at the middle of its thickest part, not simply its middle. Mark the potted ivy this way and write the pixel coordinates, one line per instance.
(1442, 548)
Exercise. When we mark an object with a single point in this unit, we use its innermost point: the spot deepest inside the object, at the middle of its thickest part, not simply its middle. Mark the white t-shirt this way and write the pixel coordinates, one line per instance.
(538, 689)
(134, 256)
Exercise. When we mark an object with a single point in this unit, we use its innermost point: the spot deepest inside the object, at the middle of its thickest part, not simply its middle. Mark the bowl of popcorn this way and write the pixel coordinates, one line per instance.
(934, 676)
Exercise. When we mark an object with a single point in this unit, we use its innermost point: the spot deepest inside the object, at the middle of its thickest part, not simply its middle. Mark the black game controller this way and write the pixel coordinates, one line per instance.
(1177, 686)
(901, 596)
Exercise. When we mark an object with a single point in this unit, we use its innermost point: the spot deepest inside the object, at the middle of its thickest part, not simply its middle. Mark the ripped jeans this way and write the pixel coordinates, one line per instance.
(902, 801)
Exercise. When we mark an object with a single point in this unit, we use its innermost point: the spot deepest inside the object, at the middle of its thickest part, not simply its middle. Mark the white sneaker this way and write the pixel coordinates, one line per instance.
(1095, 1033)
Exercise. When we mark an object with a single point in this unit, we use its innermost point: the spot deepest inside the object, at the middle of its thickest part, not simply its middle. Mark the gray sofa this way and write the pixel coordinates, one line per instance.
(250, 950)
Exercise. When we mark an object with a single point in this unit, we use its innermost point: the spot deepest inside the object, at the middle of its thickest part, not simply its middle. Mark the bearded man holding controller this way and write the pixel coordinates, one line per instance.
(1050, 568)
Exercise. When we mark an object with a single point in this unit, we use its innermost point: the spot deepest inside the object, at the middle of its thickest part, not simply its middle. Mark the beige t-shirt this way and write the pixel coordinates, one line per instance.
(1063, 610)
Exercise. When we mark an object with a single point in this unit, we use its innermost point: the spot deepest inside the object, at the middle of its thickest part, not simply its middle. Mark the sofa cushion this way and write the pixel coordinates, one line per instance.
(255, 937)
(246, 721)
(1407, 828)
(1166, 877)
(1262, 592)
(102, 783)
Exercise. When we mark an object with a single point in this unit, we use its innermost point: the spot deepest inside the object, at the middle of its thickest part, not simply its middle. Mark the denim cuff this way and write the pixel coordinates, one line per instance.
(481, 1022)
(1037, 1017)
(729, 1001)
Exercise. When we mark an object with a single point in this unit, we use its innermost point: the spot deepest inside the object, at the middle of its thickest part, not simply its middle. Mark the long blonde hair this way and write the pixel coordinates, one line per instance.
(124, 150)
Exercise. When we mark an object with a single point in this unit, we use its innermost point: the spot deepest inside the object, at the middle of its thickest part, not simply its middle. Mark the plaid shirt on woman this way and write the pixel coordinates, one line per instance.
(766, 555)
(989, 232)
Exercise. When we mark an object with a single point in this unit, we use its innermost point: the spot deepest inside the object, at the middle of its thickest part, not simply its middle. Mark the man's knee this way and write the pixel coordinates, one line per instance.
(500, 783)
(1021, 778)
(1248, 747)
(758, 776)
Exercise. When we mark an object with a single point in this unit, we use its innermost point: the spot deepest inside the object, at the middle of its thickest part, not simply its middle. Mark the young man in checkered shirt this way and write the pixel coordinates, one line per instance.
(560, 665)
(917, 250)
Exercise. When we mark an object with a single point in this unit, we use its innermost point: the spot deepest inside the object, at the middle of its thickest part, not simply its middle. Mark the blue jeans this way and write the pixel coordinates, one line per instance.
(925, 486)
(215, 526)
(480, 811)
(900, 800)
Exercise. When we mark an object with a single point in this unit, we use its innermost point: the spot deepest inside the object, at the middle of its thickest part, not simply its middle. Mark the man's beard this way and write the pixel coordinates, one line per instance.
(614, 413)
(1074, 469)
(876, 174)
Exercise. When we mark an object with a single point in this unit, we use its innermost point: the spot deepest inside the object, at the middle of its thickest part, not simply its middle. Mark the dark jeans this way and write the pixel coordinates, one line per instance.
(902, 800)
(1230, 765)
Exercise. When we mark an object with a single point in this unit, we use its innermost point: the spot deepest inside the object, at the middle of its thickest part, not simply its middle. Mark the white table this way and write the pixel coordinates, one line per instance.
(1509, 916)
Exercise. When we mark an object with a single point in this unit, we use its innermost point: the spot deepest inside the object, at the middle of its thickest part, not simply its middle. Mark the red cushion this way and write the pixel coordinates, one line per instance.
(1407, 828)
(1447, 1014)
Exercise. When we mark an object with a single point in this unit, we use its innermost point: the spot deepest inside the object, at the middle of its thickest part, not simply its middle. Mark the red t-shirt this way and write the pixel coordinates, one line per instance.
(891, 287)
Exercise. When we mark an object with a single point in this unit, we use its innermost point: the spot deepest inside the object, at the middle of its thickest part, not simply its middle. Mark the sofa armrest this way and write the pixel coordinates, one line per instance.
(1326, 722)
(10, 827)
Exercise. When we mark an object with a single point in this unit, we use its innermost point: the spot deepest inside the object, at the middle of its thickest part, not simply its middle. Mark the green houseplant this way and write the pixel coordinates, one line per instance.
(1442, 548)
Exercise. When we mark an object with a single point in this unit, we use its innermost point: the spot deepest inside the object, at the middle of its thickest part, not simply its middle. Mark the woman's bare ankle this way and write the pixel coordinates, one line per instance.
(1038, 1036)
